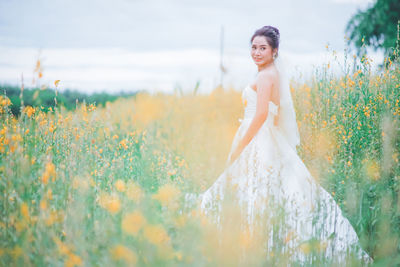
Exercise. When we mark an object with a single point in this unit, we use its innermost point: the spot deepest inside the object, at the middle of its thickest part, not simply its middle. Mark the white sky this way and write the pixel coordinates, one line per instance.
(158, 44)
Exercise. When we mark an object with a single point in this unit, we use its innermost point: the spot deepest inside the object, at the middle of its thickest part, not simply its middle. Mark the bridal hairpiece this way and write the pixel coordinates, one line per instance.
(275, 30)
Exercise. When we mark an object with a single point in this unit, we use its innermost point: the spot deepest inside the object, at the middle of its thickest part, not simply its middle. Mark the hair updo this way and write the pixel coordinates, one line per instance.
(271, 34)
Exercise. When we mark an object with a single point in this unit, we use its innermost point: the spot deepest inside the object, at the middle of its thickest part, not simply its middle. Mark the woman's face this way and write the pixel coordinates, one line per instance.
(261, 52)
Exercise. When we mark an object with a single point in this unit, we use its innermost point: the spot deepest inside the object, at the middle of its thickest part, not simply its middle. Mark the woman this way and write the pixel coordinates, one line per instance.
(265, 172)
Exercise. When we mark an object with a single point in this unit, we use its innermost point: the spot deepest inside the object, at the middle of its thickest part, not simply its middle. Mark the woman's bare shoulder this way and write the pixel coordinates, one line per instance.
(269, 75)
(265, 76)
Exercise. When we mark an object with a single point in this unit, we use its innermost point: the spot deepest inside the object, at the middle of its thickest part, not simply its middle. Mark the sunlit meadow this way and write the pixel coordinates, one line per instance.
(106, 186)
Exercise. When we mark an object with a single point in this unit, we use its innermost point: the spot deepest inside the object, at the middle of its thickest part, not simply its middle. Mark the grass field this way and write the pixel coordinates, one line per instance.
(105, 186)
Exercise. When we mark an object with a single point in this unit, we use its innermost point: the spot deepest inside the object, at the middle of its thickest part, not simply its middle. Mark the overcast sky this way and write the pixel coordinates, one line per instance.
(160, 44)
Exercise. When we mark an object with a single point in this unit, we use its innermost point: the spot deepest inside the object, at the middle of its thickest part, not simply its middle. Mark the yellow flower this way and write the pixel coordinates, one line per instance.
(156, 234)
(181, 163)
(167, 194)
(29, 111)
(372, 169)
(4, 101)
(25, 210)
(110, 202)
(62, 248)
(245, 239)
(56, 82)
(120, 252)
(305, 248)
(43, 204)
(123, 143)
(49, 172)
(54, 217)
(73, 260)
(178, 255)
(120, 185)
(173, 172)
(132, 222)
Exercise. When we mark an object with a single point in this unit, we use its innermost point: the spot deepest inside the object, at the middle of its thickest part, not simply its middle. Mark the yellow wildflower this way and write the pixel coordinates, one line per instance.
(372, 169)
(54, 217)
(29, 111)
(25, 210)
(4, 101)
(50, 171)
(305, 248)
(181, 163)
(123, 144)
(156, 234)
(110, 202)
(62, 248)
(120, 252)
(133, 222)
(167, 194)
(120, 185)
(43, 204)
(73, 260)
(172, 172)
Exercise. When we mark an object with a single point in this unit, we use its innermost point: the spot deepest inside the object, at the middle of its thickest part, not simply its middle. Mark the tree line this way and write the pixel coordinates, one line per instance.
(36, 97)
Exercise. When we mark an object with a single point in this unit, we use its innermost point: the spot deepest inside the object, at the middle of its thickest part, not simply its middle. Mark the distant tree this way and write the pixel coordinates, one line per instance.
(377, 27)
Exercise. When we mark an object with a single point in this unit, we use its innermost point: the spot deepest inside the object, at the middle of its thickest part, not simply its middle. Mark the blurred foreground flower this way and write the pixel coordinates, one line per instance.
(29, 111)
(120, 252)
(110, 202)
(49, 172)
(120, 185)
(133, 222)
(156, 234)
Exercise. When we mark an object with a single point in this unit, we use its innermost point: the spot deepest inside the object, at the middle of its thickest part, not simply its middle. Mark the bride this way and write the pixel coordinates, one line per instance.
(264, 170)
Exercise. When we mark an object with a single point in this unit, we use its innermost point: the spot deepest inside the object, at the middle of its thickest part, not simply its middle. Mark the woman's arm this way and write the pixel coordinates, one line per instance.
(264, 85)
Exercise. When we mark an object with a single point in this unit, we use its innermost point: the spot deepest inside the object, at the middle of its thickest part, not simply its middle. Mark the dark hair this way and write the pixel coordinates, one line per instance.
(270, 33)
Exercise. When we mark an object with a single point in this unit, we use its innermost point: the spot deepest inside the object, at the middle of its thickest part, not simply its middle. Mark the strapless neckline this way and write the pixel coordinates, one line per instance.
(251, 89)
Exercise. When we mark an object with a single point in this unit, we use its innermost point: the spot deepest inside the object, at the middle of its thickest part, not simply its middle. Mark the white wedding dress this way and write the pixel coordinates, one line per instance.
(269, 168)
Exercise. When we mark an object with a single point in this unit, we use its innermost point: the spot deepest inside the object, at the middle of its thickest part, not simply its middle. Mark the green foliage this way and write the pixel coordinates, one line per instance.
(360, 113)
(375, 26)
(36, 97)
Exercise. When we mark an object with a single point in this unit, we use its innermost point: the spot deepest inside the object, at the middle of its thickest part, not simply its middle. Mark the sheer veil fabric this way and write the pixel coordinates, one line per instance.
(287, 117)
(268, 174)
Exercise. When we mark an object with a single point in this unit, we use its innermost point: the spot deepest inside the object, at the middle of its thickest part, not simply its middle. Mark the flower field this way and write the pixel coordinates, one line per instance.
(106, 186)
